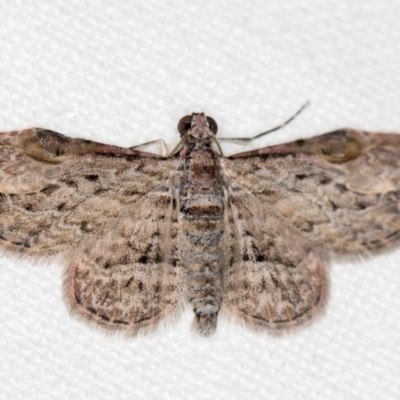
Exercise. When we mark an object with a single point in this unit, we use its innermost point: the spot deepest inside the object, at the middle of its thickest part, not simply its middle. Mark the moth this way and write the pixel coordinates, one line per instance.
(249, 235)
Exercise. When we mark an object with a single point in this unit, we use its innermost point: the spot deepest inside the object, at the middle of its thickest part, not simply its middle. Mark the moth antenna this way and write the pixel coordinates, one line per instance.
(276, 128)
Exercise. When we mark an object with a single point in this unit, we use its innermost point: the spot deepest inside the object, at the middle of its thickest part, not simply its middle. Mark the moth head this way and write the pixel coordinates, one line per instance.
(197, 125)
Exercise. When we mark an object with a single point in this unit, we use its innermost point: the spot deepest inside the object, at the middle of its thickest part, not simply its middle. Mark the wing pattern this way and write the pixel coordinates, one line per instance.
(340, 191)
(55, 190)
(95, 203)
(296, 205)
(274, 279)
(124, 278)
(128, 222)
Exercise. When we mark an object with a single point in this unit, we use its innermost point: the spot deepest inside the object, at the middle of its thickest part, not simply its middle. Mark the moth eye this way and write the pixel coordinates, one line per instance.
(213, 125)
(184, 125)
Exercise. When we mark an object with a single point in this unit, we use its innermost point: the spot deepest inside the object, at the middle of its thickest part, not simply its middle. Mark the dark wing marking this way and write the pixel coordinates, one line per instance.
(55, 190)
(341, 190)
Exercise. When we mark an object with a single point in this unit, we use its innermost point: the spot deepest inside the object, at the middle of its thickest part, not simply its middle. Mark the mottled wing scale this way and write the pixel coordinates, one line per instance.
(112, 205)
(126, 277)
(55, 191)
(295, 204)
(340, 191)
(251, 232)
(274, 280)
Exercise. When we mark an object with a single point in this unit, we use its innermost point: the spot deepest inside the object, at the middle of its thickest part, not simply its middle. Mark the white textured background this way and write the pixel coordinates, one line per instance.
(125, 72)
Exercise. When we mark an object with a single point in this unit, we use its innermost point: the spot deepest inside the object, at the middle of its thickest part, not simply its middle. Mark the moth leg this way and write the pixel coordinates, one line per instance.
(244, 140)
(163, 146)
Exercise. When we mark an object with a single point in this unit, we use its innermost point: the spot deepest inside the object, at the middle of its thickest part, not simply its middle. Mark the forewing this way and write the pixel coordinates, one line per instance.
(126, 277)
(272, 279)
(341, 190)
(56, 190)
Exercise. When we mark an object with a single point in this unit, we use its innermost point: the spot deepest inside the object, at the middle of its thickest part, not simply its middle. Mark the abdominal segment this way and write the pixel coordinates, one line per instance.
(202, 223)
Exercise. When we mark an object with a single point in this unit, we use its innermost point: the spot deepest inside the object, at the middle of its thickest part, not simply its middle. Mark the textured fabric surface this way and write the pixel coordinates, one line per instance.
(124, 73)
